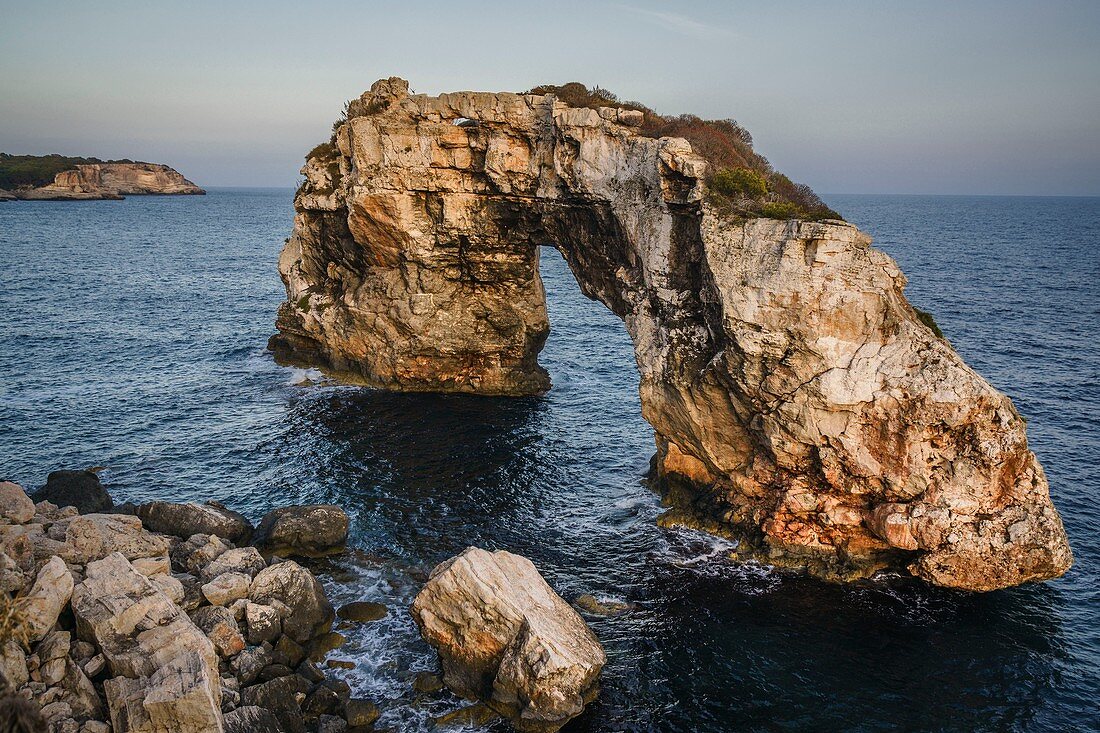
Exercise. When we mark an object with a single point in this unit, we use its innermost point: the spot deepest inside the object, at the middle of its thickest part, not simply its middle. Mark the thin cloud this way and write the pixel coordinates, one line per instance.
(679, 23)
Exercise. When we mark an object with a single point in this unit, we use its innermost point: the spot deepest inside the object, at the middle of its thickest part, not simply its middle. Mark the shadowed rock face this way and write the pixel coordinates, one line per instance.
(799, 404)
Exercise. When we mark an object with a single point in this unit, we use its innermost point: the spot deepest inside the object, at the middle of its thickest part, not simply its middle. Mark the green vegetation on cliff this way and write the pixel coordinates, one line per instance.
(741, 182)
(32, 171)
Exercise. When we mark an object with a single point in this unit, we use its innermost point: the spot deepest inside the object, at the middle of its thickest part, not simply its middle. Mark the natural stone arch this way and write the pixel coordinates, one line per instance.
(798, 402)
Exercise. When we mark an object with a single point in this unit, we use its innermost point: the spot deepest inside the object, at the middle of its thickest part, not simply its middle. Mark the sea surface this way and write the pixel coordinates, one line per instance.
(132, 336)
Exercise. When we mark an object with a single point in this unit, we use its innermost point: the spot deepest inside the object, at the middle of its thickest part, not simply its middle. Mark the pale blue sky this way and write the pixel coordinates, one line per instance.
(923, 97)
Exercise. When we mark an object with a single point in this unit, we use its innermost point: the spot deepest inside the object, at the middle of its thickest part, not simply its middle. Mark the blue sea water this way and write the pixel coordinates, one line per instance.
(132, 336)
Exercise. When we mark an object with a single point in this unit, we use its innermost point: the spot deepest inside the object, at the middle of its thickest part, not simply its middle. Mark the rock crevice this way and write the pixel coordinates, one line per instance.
(799, 402)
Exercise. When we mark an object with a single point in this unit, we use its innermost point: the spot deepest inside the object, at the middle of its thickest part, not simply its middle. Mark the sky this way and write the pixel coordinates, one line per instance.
(849, 97)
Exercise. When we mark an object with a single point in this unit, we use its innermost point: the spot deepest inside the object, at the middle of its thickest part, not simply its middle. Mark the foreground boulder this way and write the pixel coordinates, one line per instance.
(505, 636)
(303, 531)
(305, 610)
(176, 697)
(184, 520)
(800, 403)
(80, 489)
(49, 595)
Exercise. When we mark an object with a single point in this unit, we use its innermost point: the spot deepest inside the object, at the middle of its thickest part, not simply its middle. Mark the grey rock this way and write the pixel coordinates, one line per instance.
(79, 489)
(305, 531)
(252, 719)
(185, 520)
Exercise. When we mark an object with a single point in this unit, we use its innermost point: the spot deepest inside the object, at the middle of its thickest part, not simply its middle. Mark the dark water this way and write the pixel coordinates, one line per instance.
(133, 337)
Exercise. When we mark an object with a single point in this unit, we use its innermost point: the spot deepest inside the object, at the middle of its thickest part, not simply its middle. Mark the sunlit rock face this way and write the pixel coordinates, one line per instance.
(799, 404)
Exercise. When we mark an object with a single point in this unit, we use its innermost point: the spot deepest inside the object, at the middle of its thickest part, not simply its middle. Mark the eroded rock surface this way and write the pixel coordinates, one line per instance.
(112, 181)
(799, 403)
(504, 635)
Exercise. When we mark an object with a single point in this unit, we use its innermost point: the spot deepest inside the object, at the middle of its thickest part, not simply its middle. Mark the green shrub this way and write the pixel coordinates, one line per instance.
(736, 182)
(927, 319)
(780, 210)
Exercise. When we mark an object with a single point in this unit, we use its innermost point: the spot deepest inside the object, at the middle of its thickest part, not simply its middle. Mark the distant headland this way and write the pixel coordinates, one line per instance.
(61, 178)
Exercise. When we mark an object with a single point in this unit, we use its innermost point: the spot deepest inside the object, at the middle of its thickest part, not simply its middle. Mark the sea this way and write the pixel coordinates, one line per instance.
(133, 337)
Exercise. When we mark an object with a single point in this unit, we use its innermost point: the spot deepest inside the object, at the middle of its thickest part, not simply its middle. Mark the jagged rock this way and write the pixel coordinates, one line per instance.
(306, 531)
(79, 489)
(177, 696)
(249, 663)
(287, 651)
(245, 560)
(94, 536)
(95, 664)
(52, 653)
(308, 612)
(15, 505)
(503, 633)
(198, 551)
(221, 628)
(322, 701)
(252, 719)
(112, 181)
(80, 693)
(171, 587)
(361, 712)
(184, 520)
(331, 724)
(227, 588)
(283, 696)
(263, 623)
(137, 627)
(151, 566)
(43, 603)
(12, 577)
(792, 388)
(13, 664)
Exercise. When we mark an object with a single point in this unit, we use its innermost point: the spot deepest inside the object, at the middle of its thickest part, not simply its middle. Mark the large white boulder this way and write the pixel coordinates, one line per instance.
(504, 635)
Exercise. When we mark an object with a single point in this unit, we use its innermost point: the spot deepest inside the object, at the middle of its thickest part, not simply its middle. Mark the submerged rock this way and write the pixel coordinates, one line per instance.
(362, 611)
(304, 531)
(504, 635)
(799, 402)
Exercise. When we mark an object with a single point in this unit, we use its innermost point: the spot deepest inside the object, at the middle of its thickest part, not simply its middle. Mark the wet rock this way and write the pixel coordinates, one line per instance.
(15, 505)
(184, 520)
(500, 629)
(289, 652)
(362, 611)
(427, 682)
(322, 701)
(325, 643)
(79, 489)
(360, 712)
(308, 612)
(181, 695)
(221, 628)
(310, 672)
(252, 719)
(262, 622)
(51, 591)
(244, 560)
(227, 588)
(590, 604)
(331, 724)
(470, 716)
(305, 531)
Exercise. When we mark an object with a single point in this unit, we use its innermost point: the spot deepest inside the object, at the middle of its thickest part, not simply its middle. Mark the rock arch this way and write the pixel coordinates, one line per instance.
(799, 404)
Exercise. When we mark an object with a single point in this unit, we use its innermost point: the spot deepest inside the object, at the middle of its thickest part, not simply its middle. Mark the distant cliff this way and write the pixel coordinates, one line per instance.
(26, 177)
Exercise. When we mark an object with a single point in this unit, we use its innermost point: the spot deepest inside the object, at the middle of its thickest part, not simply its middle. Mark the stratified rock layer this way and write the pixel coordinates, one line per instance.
(799, 403)
(112, 181)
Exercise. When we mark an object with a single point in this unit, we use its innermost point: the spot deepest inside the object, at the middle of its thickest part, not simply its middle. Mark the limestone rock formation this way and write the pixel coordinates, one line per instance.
(112, 181)
(799, 403)
(505, 636)
(184, 520)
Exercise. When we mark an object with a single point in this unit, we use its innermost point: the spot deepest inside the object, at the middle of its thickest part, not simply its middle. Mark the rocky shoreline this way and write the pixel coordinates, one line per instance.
(164, 617)
(184, 617)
